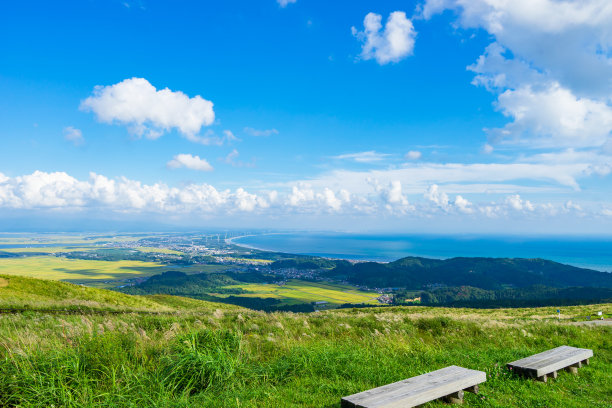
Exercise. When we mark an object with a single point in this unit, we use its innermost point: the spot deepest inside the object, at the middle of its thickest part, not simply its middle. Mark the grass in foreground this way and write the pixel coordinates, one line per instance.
(214, 357)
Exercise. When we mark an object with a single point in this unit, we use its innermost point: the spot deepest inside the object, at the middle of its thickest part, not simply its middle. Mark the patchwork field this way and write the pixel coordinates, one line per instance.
(298, 291)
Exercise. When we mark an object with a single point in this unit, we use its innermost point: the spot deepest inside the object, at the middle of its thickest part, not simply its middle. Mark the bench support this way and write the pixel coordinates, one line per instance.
(455, 398)
(473, 389)
(572, 370)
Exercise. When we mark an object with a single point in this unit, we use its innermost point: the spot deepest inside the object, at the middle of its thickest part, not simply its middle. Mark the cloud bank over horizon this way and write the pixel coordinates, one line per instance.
(61, 192)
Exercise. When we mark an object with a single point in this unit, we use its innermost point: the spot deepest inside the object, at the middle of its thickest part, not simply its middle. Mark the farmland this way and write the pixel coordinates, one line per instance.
(89, 272)
(299, 291)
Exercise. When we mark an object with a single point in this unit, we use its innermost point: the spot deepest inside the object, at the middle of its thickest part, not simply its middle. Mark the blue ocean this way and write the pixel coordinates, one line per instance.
(594, 253)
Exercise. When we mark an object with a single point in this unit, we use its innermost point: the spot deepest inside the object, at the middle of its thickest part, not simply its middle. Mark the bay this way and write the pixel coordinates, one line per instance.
(587, 252)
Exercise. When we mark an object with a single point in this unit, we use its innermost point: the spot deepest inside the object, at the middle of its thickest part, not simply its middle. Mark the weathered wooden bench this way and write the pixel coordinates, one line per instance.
(544, 365)
(448, 383)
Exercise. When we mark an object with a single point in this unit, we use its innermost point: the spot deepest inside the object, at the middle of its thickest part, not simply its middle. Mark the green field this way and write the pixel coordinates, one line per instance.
(202, 354)
(298, 291)
(89, 272)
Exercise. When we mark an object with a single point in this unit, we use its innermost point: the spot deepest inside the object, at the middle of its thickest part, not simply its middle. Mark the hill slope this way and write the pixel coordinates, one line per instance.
(29, 293)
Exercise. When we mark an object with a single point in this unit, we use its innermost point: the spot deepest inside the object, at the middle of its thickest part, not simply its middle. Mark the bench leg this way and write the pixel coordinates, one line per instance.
(542, 378)
(585, 362)
(455, 398)
(473, 389)
(572, 369)
(553, 374)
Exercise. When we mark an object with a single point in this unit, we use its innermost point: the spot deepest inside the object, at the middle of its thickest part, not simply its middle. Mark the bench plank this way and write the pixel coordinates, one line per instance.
(550, 361)
(417, 390)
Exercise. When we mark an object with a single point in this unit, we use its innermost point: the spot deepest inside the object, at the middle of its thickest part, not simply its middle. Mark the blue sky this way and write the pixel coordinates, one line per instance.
(433, 115)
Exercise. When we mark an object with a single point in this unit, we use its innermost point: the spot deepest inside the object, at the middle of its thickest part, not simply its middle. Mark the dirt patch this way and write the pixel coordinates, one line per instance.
(3, 283)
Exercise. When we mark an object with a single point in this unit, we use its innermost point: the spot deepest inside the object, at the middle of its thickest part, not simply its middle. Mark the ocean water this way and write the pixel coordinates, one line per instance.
(594, 253)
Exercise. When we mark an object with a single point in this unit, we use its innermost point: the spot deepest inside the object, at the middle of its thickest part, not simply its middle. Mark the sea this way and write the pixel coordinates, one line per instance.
(586, 252)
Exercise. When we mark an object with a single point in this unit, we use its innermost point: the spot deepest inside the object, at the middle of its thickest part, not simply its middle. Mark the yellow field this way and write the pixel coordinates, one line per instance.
(302, 291)
(53, 268)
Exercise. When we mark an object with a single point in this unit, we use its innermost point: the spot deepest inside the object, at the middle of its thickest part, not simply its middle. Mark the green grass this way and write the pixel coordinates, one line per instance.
(298, 291)
(22, 292)
(205, 354)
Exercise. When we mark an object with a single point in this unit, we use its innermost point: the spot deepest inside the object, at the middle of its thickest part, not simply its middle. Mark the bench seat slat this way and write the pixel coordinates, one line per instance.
(417, 390)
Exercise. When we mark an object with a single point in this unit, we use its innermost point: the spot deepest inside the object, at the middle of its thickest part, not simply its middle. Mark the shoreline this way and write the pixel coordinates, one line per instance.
(386, 259)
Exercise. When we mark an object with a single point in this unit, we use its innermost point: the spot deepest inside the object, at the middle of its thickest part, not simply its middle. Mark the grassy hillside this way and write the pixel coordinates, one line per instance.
(211, 355)
(21, 292)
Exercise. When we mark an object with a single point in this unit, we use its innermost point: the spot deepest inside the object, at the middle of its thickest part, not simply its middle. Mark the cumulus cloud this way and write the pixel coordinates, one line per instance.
(189, 162)
(553, 117)
(74, 135)
(517, 203)
(149, 112)
(256, 132)
(60, 191)
(391, 44)
(436, 196)
(463, 205)
(284, 3)
(363, 157)
(550, 65)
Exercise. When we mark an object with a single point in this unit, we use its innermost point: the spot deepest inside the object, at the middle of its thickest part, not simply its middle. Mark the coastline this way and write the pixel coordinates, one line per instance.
(377, 249)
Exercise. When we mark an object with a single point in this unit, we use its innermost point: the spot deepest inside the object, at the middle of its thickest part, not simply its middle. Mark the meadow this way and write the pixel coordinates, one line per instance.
(299, 291)
(204, 354)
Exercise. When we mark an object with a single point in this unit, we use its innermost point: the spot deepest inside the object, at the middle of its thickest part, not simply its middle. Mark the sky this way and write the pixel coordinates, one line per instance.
(441, 116)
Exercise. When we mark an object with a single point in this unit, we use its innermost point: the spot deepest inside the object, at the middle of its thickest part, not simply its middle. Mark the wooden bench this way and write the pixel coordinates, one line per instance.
(448, 383)
(546, 364)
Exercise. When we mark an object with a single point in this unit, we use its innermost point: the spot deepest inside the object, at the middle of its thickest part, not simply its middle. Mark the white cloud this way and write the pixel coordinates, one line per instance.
(190, 162)
(553, 117)
(210, 138)
(413, 155)
(255, 132)
(436, 196)
(60, 191)
(284, 3)
(232, 159)
(487, 148)
(74, 135)
(517, 203)
(392, 44)
(550, 65)
(415, 177)
(147, 111)
(363, 157)
(463, 205)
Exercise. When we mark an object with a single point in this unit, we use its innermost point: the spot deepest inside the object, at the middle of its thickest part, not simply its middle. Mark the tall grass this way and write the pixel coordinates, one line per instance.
(240, 358)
